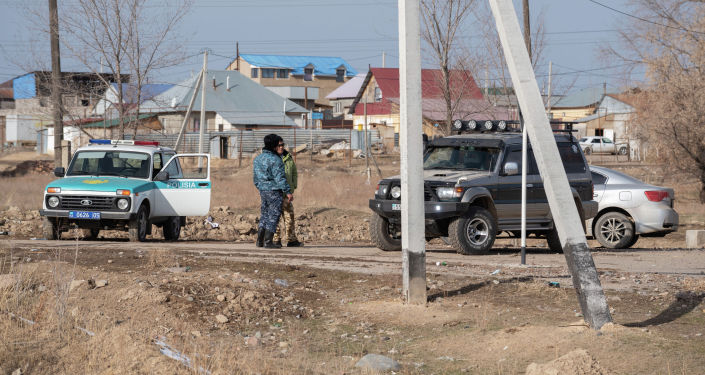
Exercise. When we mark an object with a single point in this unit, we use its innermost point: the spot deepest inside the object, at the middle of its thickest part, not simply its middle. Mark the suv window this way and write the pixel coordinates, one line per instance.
(461, 157)
(515, 156)
(596, 140)
(572, 157)
(157, 164)
(174, 169)
(606, 140)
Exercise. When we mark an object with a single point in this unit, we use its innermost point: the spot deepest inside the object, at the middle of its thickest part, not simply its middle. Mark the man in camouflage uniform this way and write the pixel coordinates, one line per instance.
(270, 180)
(287, 222)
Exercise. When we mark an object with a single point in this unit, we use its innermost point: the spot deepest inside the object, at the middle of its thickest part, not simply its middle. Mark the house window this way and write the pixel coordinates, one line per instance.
(340, 75)
(308, 74)
(254, 72)
(599, 132)
(268, 72)
(338, 107)
(378, 94)
(283, 73)
(196, 125)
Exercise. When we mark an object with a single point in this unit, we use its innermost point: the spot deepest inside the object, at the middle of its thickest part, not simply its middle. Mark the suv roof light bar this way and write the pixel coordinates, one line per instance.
(122, 142)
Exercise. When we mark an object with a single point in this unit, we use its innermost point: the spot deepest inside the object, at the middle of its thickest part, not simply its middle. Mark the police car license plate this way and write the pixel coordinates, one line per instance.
(84, 215)
(396, 206)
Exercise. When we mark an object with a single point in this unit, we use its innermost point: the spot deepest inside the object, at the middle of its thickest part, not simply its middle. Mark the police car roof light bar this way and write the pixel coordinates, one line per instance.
(122, 142)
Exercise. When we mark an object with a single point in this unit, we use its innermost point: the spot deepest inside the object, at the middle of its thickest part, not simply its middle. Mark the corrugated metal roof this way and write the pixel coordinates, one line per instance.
(115, 121)
(583, 98)
(148, 91)
(323, 65)
(244, 102)
(349, 89)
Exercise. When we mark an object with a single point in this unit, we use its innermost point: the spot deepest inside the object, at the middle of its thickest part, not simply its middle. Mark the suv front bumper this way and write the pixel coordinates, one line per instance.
(433, 210)
(104, 215)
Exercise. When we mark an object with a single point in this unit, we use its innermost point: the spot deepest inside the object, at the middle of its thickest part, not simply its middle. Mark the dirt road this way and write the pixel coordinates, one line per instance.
(612, 265)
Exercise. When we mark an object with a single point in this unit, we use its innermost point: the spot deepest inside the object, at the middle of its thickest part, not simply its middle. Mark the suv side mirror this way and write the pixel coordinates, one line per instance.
(511, 168)
(59, 171)
(162, 176)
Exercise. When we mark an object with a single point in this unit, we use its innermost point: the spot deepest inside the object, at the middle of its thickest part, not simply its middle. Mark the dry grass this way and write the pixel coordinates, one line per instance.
(25, 192)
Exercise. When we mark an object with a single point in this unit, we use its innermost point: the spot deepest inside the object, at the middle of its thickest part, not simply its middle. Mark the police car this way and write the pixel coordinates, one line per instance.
(127, 185)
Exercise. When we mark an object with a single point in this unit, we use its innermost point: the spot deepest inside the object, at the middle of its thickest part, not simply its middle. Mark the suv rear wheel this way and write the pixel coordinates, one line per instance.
(473, 233)
(385, 235)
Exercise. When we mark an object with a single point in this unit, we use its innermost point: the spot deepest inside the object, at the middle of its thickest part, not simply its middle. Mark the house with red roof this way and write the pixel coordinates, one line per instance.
(377, 101)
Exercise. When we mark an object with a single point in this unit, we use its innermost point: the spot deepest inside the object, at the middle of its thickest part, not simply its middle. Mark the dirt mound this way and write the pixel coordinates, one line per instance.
(577, 362)
(29, 166)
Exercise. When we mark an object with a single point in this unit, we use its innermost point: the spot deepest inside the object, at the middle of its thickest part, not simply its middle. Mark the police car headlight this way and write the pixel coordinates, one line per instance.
(53, 202)
(396, 192)
(122, 203)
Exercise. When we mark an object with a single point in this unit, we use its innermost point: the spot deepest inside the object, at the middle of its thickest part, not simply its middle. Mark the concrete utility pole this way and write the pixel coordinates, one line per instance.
(367, 147)
(56, 81)
(527, 27)
(187, 117)
(202, 127)
(413, 242)
(560, 199)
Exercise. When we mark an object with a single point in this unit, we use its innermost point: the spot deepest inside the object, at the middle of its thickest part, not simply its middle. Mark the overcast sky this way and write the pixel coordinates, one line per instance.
(358, 31)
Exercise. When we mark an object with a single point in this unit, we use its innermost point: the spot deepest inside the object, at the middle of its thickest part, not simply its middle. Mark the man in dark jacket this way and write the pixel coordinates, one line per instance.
(270, 179)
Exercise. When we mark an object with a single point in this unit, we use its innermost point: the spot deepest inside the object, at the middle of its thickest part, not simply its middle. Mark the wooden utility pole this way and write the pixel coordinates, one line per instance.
(560, 199)
(413, 242)
(56, 81)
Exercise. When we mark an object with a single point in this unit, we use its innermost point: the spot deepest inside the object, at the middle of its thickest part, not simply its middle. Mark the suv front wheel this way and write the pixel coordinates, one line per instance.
(385, 235)
(473, 233)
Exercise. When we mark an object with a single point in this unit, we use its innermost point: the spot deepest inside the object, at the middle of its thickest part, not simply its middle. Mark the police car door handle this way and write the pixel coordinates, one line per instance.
(202, 184)
(529, 185)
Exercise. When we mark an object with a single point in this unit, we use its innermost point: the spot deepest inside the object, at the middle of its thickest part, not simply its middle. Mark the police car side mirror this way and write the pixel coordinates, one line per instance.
(511, 168)
(162, 176)
(59, 171)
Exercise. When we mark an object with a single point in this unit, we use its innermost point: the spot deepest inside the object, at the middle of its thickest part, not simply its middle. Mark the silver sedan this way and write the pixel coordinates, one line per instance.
(628, 208)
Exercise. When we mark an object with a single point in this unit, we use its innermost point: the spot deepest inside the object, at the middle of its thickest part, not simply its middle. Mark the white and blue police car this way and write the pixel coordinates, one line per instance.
(127, 185)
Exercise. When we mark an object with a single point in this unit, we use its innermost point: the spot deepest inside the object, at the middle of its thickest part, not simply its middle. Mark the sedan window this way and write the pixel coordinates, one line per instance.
(596, 140)
(598, 179)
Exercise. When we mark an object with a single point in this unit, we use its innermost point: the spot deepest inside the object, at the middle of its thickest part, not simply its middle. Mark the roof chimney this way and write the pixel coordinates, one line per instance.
(227, 83)
(213, 82)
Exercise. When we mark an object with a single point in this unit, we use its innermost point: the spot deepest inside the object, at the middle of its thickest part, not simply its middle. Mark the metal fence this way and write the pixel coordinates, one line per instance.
(229, 143)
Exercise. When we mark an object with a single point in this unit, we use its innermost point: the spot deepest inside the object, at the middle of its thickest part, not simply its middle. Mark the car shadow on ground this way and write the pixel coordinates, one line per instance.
(685, 302)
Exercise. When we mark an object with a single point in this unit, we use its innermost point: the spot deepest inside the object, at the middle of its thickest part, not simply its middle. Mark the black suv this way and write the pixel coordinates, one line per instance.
(472, 192)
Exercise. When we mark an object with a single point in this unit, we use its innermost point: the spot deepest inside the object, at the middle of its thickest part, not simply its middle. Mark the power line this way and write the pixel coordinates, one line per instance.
(644, 19)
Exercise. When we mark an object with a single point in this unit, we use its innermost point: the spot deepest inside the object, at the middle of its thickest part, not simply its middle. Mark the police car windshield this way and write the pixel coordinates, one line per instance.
(461, 157)
(110, 163)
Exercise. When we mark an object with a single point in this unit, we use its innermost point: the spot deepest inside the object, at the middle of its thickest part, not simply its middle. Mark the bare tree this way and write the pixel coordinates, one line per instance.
(124, 37)
(442, 20)
(667, 37)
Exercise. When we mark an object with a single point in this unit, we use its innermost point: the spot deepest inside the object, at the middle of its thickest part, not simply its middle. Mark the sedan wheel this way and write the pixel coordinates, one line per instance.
(615, 230)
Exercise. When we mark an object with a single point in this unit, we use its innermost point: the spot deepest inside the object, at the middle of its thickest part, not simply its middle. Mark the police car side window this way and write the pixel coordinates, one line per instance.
(174, 169)
(157, 166)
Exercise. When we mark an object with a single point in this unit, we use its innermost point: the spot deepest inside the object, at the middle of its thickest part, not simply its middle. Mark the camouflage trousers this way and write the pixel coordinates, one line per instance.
(270, 209)
(287, 224)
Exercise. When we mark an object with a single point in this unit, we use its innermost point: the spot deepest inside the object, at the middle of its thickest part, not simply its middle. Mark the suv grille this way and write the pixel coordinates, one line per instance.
(87, 202)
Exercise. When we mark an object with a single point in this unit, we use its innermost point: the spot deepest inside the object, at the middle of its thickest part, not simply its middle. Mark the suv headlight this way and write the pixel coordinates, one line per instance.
(53, 202)
(381, 190)
(122, 203)
(395, 192)
(449, 192)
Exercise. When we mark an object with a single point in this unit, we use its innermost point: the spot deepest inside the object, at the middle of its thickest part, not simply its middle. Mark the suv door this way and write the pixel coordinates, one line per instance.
(187, 191)
(508, 199)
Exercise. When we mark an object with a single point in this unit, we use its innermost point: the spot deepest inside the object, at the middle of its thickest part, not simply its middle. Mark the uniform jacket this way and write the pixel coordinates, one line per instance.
(290, 170)
(268, 172)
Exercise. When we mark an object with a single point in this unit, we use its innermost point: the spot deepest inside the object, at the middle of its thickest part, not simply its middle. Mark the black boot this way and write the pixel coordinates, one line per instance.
(294, 243)
(269, 241)
(260, 237)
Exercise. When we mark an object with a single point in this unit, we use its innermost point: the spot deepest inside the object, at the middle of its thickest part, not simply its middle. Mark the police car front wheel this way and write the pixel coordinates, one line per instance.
(138, 225)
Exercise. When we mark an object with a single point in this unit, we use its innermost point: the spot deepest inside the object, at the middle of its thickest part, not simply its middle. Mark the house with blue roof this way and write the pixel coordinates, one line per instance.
(305, 80)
